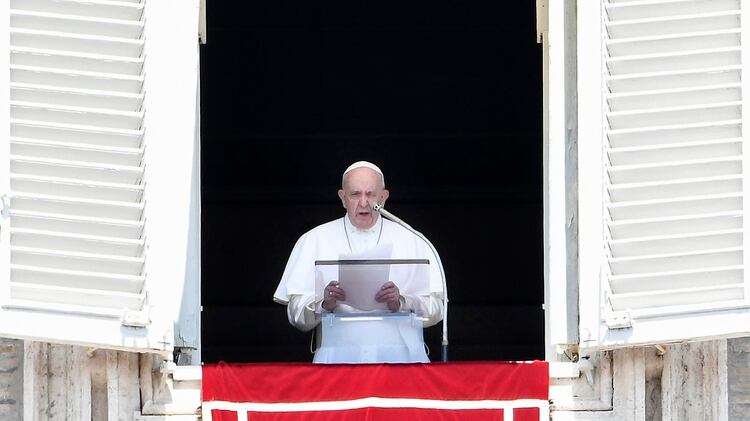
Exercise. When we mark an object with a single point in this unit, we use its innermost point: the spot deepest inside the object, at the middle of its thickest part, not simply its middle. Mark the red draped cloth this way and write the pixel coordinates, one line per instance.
(436, 391)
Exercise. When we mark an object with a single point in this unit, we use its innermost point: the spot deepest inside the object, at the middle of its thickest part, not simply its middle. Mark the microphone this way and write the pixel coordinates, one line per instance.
(377, 207)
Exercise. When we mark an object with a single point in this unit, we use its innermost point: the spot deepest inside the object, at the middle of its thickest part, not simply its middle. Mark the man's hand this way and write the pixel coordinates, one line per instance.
(332, 293)
(389, 294)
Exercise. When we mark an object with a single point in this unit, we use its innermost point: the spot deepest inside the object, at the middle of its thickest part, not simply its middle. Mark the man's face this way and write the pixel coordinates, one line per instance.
(362, 187)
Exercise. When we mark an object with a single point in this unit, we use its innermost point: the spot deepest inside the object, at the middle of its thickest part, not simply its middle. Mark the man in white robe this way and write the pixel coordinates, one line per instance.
(359, 230)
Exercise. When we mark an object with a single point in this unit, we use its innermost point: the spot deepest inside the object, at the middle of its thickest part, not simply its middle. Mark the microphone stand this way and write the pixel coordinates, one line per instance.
(444, 345)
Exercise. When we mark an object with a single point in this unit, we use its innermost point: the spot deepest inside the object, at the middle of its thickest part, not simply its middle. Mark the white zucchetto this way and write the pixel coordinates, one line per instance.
(362, 164)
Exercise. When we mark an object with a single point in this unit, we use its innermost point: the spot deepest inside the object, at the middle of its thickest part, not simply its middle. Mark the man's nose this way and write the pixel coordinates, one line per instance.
(364, 202)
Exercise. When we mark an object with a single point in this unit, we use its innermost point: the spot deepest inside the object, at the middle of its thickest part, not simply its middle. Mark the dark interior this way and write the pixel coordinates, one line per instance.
(446, 97)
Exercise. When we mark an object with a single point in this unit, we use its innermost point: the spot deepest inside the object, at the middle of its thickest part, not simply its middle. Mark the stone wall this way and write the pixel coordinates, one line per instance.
(664, 380)
(11, 379)
(738, 377)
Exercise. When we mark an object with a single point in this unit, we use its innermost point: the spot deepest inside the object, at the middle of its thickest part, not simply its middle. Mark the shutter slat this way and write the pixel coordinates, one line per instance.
(684, 151)
(74, 188)
(674, 297)
(75, 43)
(656, 64)
(628, 10)
(675, 189)
(665, 262)
(77, 207)
(114, 77)
(676, 224)
(76, 115)
(76, 152)
(644, 246)
(120, 228)
(671, 79)
(674, 115)
(661, 208)
(50, 240)
(704, 277)
(674, 134)
(53, 59)
(114, 96)
(91, 8)
(106, 101)
(77, 279)
(80, 170)
(56, 22)
(671, 43)
(673, 24)
(108, 82)
(68, 309)
(674, 98)
(675, 170)
(76, 133)
(67, 260)
(75, 296)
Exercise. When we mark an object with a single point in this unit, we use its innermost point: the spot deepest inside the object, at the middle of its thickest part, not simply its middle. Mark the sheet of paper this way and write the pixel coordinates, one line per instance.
(361, 282)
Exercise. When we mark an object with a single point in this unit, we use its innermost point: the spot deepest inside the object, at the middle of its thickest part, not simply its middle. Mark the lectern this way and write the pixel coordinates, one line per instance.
(371, 338)
(367, 332)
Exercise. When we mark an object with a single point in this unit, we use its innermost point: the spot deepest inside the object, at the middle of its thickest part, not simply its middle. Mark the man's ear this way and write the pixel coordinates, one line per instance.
(384, 197)
(342, 196)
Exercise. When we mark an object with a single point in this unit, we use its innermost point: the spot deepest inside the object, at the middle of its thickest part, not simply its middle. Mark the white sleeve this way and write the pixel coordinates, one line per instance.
(430, 307)
(301, 311)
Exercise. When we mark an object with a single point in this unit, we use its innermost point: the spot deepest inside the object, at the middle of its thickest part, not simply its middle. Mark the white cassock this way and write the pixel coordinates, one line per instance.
(332, 239)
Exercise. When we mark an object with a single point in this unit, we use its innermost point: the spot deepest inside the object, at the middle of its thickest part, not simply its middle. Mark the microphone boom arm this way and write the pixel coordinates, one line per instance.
(380, 209)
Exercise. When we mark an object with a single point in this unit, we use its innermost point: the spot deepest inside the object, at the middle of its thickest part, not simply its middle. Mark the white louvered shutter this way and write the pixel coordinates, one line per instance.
(673, 172)
(74, 230)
